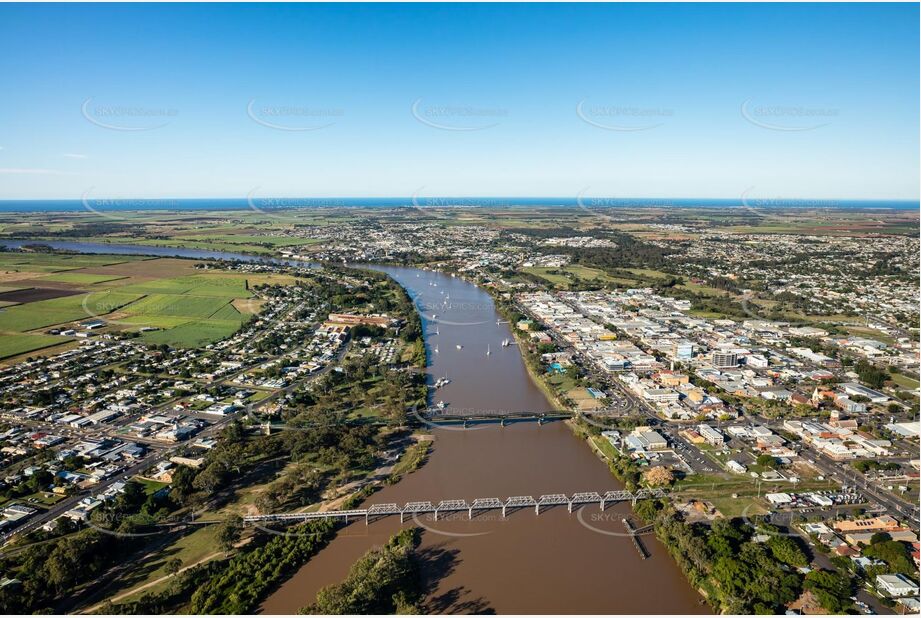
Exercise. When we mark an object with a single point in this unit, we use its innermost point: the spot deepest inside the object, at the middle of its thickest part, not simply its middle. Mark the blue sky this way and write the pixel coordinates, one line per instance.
(780, 101)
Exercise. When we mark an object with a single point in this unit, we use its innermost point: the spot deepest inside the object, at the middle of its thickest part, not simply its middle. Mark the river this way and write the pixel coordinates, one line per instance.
(553, 563)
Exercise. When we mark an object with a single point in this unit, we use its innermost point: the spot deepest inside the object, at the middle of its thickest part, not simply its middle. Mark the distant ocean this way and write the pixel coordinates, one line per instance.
(440, 202)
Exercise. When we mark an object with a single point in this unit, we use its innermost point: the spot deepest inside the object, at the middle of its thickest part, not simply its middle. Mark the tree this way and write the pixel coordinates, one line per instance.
(895, 554)
(871, 375)
(880, 537)
(766, 461)
(833, 590)
(384, 581)
(172, 566)
(658, 476)
(788, 551)
(229, 532)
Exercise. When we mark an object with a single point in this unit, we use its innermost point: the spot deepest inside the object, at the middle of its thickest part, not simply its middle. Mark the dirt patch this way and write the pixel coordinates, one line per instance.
(17, 276)
(30, 295)
(248, 305)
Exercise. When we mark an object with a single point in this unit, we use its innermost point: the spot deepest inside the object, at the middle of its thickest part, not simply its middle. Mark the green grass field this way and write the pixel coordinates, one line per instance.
(178, 305)
(51, 262)
(189, 549)
(13, 344)
(40, 314)
(567, 275)
(194, 334)
(193, 311)
(197, 285)
(544, 273)
(905, 381)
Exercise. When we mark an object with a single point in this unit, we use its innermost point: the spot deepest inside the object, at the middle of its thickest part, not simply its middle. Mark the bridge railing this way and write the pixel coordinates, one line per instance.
(479, 504)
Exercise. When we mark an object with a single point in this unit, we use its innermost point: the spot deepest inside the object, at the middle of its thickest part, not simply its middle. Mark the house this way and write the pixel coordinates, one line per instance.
(779, 499)
(883, 523)
(713, 436)
(645, 439)
(776, 394)
(853, 388)
(897, 585)
(661, 395)
(734, 466)
(849, 405)
(864, 538)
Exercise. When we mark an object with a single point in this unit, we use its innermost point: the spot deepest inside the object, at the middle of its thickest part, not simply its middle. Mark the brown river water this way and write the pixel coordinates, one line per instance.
(552, 563)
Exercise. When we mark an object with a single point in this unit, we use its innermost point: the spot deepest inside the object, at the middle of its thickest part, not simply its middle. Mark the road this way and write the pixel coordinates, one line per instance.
(842, 472)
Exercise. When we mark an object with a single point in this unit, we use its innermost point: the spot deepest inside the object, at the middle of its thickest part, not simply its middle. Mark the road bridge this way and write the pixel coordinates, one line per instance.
(434, 416)
(411, 509)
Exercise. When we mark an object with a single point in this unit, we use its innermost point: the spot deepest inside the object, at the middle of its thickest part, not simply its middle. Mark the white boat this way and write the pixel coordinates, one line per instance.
(460, 347)
(505, 343)
(443, 381)
(434, 315)
(436, 349)
(487, 350)
(442, 405)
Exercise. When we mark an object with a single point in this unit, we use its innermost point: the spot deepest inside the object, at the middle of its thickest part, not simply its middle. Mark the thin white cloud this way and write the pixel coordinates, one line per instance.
(35, 171)
(71, 155)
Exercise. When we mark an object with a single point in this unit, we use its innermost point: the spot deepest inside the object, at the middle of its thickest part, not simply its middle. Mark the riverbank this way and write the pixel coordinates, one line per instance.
(534, 370)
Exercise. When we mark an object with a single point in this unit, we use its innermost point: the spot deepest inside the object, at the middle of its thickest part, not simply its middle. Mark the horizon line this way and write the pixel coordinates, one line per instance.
(410, 198)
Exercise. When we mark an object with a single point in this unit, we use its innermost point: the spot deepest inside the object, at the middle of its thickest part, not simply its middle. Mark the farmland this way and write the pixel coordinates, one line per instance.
(30, 316)
(190, 308)
(15, 344)
(79, 278)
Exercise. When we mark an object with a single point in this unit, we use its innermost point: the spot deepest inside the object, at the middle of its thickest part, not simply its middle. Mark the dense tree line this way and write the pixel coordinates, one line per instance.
(871, 375)
(242, 583)
(628, 252)
(385, 580)
(739, 575)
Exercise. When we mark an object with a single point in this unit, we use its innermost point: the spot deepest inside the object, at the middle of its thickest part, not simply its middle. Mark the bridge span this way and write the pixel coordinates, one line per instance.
(411, 509)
